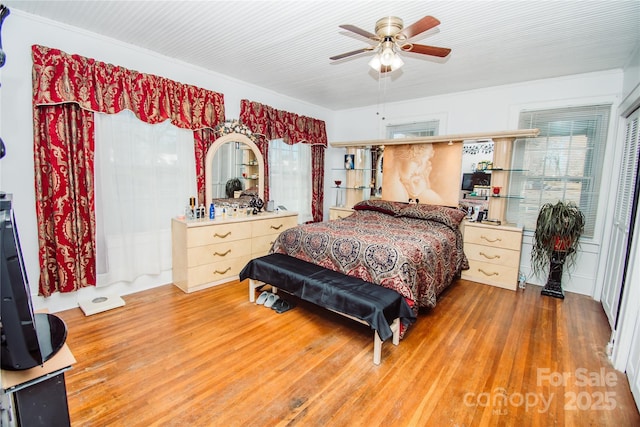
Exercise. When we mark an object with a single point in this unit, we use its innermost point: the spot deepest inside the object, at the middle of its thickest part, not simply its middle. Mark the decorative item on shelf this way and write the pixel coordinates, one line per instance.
(349, 161)
(481, 190)
(235, 126)
(496, 191)
(338, 198)
(555, 242)
(257, 204)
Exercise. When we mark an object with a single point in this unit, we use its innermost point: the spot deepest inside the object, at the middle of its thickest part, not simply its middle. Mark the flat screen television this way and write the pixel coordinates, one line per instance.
(28, 339)
(470, 180)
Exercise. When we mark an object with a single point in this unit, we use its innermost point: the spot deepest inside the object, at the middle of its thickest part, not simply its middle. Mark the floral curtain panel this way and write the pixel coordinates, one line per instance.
(293, 129)
(66, 90)
(203, 139)
(63, 157)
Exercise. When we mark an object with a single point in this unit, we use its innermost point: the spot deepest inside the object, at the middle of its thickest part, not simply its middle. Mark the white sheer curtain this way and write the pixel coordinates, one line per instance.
(144, 176)
(290, 177)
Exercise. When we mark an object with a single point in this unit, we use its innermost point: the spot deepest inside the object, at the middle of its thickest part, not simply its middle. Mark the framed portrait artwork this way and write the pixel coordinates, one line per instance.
(349, 160)
(426, 172)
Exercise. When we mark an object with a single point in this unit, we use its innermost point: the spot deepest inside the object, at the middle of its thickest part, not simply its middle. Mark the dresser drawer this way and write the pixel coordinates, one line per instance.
(492, 274)
(492, 255)
(260, 245)
(216, 271)
(493, 237)
(200, 236)
(200, 255)
(273, 225)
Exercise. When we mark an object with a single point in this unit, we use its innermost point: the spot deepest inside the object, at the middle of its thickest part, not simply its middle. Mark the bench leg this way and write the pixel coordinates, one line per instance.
(377, 342)
(377, 348)
(395, 328)
(253, 284)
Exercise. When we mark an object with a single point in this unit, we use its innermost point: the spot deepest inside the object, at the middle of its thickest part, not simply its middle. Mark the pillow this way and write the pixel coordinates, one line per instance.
(385, 206)
(451, 217)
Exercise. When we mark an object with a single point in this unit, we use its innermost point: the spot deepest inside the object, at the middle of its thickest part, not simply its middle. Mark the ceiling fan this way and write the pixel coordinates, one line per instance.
(391, 36)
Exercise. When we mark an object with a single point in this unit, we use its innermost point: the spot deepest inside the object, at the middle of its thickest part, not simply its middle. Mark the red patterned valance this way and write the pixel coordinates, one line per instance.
(60, 78)
(276, 124)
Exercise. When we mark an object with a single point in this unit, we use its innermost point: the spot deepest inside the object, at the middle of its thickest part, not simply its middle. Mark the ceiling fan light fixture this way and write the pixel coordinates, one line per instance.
(375, 62)
(392, 38)
(396, 63)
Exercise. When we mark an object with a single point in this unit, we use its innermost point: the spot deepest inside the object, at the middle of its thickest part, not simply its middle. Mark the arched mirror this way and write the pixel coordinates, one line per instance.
(233, 166)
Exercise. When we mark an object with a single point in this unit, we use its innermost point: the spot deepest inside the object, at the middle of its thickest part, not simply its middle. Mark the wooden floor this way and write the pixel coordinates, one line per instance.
(483, 356)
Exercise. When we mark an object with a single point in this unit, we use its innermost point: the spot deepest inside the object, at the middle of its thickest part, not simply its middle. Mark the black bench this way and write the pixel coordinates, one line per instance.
(381, 308)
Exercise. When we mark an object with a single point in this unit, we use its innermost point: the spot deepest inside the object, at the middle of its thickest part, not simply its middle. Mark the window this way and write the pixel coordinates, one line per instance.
(413, 130)
(290, 177)
(144, 176)
(563, 163)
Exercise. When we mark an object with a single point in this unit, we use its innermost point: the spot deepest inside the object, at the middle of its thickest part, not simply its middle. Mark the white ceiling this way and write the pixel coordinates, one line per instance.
(285, 46)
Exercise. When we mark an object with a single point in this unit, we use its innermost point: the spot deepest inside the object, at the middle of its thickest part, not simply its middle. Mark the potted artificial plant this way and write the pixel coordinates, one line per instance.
(232, 186)
(555, 241)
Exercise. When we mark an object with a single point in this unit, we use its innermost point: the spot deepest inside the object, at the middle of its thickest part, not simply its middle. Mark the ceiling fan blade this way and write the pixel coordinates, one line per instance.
(420, 26)
(360, 31)
(353, 52)
(427, 50)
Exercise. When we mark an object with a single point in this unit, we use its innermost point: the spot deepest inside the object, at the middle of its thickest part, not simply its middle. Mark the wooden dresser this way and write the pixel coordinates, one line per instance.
(210, 252)
(493, 253)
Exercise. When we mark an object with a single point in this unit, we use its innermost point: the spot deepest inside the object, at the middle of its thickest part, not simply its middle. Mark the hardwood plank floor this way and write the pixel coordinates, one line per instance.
(483, 356)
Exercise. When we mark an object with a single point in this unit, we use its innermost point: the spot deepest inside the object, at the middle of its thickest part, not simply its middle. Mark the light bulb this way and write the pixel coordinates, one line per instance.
(387, 56)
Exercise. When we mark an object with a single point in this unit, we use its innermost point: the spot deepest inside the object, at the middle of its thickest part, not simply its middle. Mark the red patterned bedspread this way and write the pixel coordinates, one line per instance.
(414, 250)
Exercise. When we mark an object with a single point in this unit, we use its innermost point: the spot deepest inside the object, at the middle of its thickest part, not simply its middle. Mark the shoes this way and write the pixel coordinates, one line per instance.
(282, 305)
(278, 304)
(271, 299)
(263, 297)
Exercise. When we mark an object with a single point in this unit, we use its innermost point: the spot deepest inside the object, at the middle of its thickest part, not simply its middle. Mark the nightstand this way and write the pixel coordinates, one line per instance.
(339, 213)
(493, 252)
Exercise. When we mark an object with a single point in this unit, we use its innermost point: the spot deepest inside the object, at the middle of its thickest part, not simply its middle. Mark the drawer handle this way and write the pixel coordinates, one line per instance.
(224, 254)
(488, 274)
(222, 272)
(278, 227)
(222, 236)
(489, 256)
(497, 239)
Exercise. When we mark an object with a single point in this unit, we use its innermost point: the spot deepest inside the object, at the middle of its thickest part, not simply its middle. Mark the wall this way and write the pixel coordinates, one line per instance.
(19, 32)
(497, 108)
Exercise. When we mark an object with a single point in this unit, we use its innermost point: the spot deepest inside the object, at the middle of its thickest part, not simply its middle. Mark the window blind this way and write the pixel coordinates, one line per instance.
(563, 163)
(412, 130)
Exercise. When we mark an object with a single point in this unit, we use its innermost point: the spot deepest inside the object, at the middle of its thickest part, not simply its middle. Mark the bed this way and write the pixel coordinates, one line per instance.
(415, 250)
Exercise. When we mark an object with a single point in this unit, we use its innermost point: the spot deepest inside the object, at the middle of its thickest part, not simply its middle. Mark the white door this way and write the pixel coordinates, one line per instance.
(633, 364)
(618, 245)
